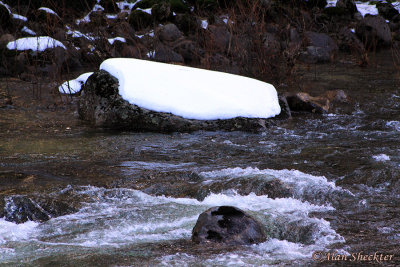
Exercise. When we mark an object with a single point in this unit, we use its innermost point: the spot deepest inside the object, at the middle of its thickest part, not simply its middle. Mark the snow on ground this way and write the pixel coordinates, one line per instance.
(112, 40)
(40, 43)
(48, 10)
(28, 31)
(381, 157)
(366, 7)
(74, 86)
(192, 93)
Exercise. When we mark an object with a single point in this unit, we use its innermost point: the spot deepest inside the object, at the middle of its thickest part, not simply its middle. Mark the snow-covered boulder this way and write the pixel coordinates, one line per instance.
(149, 96)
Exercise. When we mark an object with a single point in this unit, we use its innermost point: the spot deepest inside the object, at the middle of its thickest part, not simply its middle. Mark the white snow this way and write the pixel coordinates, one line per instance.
(147, 10)
(381, 157)
(6, 6)
(112, 40)
(74, 86)
(20, 17)
(204, 24)
(78, 34)
(365, 7)
(192, 93)
(48, 10)
(40, 43)
(112, 16)
(28, 31)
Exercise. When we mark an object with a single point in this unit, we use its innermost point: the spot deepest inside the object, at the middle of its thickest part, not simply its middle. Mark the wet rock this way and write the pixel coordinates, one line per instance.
(319, 104)
(386, 10)
(19, 208)
(229, 226)
(170, 33)
(166, 54)
(101, 105)
(374, 31)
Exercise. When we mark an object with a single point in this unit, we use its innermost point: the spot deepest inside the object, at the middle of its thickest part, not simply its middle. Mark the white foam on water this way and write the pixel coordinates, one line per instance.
(305, 186)
(123, 217)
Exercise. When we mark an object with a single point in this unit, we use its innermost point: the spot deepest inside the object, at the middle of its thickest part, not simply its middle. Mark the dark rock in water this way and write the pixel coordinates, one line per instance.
(321, 48)
(229, 226)
(319, 104)
(374, 31)
(19, 208)
(101, 105)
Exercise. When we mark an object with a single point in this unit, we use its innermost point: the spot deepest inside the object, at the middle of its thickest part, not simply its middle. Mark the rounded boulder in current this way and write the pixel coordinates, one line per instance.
(227, 225)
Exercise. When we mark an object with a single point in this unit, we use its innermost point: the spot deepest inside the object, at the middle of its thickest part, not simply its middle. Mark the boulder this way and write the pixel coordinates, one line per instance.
(166, 54)
(348, 5)
(19, 209)
(189, 50)
(386, 10)
(374, 31)
(321, 48)
(219, 37)
(320, 104)
(169, 33)
(140, 20)
(101, 105)
(229, 226)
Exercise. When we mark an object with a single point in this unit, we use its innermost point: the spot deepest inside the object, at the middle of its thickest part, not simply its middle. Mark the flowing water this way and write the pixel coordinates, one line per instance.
(336, 187)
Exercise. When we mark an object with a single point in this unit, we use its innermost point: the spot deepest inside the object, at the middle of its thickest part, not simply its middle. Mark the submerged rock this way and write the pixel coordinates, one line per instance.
(319, 104)
(227, 225)
(102, 106)
(19, 208)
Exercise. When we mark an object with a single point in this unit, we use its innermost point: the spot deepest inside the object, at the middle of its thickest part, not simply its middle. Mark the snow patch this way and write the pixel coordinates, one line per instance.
(28, 31)
(74, 86)
(48, 10)
(381, 157)
(120, 39)
(192, 93)
(40, 43)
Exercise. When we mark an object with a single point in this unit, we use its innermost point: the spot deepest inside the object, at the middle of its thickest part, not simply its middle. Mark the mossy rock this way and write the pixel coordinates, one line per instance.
(178, 6)
(140, 20)
(144, 4)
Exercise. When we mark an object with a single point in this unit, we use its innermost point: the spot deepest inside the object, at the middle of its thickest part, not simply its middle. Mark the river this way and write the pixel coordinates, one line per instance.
(336, 177)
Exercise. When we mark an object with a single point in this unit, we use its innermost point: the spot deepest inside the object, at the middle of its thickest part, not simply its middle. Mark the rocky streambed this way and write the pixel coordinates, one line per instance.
(317, 182)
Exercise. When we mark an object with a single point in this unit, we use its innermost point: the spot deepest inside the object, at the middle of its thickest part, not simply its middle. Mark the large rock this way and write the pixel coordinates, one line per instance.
(19, 208)
(321, 48)
(169, 33)
(386, 10)
(101, 105)
(227, 225)
(374, 31)
(319, 104)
